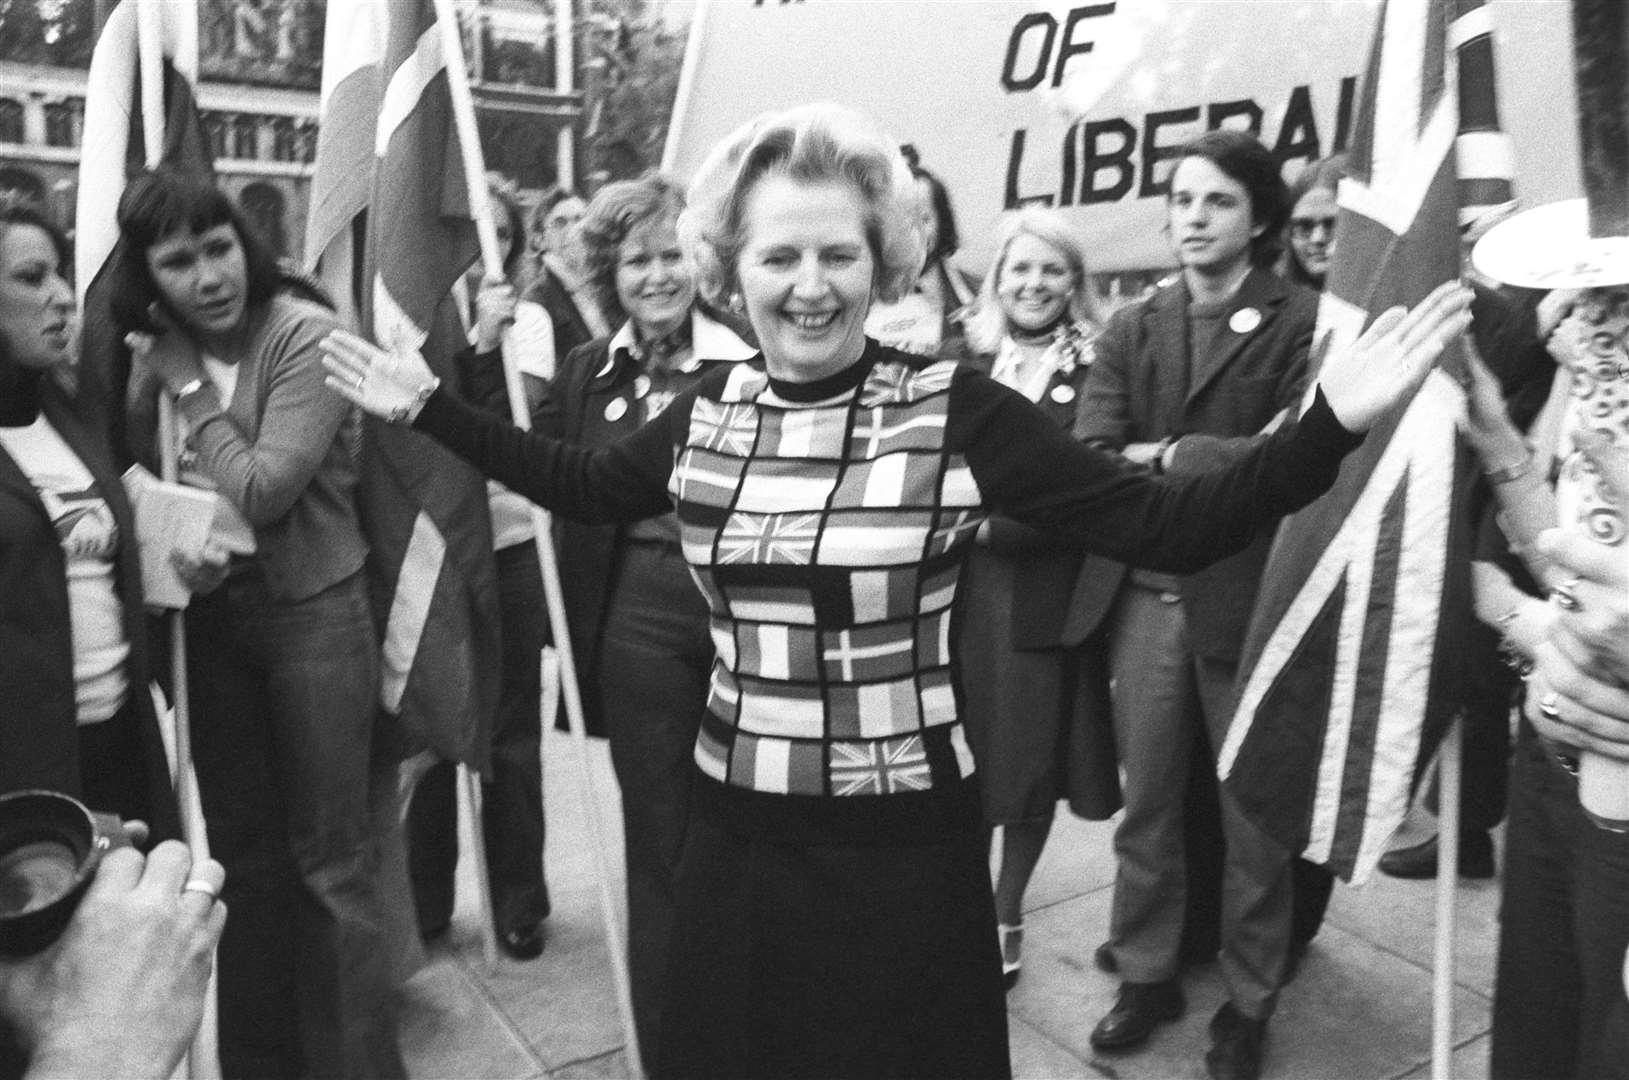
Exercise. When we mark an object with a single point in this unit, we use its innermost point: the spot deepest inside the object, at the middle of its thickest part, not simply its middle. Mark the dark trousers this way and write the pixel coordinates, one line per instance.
(512, 797)
(654, 658)
(1558, 999)
(283, 712)
(1165, 698)
(1490, 689)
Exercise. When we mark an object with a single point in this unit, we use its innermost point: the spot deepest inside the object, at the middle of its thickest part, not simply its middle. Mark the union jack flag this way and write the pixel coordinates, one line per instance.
(1346, 684)
(896, 384)
(883, 767)
(729, 428)
(788, 539)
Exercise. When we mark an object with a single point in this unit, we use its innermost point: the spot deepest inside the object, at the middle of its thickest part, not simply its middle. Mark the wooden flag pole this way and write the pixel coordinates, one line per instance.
(1442, 968)
(203, 1058)
(463, 107)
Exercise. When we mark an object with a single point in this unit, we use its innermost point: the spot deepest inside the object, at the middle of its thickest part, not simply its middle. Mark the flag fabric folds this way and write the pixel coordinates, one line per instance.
(112, 150)
(1346, 683)
(424, 510)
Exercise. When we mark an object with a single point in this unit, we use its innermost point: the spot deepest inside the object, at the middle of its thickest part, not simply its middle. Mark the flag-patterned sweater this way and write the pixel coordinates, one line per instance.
(827, 524)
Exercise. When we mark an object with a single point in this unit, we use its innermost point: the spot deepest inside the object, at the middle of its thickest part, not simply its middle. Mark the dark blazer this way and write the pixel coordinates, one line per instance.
(570, 329)
(578, 408)
(1044, 576)
(1135, 394)
(38, 742)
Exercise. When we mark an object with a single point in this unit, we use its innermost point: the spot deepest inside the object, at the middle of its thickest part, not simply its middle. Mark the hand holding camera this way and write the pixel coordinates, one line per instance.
(121, 991)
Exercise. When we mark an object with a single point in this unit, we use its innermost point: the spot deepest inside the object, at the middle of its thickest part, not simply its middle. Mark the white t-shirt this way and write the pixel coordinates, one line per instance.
(90, 537)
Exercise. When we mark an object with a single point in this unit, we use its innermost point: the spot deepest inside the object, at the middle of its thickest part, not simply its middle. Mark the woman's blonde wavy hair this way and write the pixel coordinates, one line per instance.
(812, 144)
(986, 322)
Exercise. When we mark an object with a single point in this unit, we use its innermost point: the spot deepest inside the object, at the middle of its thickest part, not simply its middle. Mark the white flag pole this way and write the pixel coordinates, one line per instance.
(203, 1060)
(1442, 968)
(481, 209)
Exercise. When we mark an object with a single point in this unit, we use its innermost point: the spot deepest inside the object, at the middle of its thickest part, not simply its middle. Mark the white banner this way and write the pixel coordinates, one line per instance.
(1076, 106)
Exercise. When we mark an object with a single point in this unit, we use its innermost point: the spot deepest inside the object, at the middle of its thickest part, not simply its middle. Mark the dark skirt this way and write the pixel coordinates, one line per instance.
(1038, 720)
(832, 960)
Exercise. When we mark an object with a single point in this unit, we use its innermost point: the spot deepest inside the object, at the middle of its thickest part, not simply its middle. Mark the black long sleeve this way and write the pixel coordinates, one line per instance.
(1035, 473)
(624, 481)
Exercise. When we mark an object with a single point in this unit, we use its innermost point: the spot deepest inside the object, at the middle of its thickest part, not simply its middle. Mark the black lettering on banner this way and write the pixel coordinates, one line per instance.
(1024, 26)
(1015, 160)
(1298, 138)
(1117, 161)
(1343, 114)
(1066, 189)
(1220, 112)
(1069, 47)
(1154, 153)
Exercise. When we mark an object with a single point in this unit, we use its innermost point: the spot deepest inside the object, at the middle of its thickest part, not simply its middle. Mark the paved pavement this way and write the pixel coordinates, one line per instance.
(1360, 1009)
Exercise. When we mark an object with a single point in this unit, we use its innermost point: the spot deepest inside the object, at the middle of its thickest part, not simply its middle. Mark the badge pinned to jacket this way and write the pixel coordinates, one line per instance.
(1244, 320)
(616, 409)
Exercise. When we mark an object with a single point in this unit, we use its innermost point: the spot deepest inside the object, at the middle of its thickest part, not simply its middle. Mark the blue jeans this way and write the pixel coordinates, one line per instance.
(283, 713)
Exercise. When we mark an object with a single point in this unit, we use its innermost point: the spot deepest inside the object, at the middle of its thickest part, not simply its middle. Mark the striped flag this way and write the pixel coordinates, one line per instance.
(353, 49)
(1346, 683)
(111, 151)
(425, 510)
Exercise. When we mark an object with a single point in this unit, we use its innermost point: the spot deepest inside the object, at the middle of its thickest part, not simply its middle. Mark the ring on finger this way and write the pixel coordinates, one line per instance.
(1550, 706)
(199, 885)
(1566, 595)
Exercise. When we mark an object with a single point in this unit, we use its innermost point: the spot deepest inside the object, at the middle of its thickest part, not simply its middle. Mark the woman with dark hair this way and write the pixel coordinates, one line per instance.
(639, 630)
(283, 660)
(75, 712)
(925, 320)
(512, 795)
(833, 905)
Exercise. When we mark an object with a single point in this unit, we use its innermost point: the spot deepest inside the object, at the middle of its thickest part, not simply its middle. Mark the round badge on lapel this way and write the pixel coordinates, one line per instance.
(1244, 320)
(641, 385)
(1063, 393)
(616, 409)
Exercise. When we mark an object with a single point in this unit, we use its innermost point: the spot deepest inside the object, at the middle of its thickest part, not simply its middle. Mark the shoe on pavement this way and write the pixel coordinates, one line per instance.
(523, 942)
(1235, 1045)
(1419, 862)
(1137, 1011)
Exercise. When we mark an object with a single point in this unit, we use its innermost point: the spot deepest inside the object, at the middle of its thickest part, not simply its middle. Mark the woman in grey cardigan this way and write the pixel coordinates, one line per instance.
(283, 659)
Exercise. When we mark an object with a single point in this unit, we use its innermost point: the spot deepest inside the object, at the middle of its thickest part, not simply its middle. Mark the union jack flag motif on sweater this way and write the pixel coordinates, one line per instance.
(827, 538)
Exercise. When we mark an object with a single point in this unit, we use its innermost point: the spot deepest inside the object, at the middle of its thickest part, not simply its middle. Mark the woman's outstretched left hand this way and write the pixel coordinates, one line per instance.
(1389, 360)
(389, 385)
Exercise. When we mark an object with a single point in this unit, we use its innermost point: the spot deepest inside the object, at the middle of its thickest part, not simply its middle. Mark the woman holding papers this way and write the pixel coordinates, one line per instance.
(283, 661)
(833, 905)
(75, 712)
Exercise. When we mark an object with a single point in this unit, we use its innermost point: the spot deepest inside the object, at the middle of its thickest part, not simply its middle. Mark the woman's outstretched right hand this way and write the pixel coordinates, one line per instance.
(389, 385)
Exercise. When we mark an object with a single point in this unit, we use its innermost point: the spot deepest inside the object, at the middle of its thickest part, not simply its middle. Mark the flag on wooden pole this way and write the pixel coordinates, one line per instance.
(424, 509)
(1346, 684)
(112, 149)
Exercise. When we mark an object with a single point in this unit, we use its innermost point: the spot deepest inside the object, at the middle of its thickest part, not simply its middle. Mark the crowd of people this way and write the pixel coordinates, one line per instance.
(863, 566)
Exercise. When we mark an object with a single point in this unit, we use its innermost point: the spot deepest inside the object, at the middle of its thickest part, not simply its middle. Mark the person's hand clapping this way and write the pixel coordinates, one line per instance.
(122, 991)
(494, 313)
(1389, 360)
(1582, 669)
(389, 385)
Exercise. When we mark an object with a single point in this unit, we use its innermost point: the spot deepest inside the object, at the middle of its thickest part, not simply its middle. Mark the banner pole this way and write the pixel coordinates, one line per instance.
(203, 1056)
(1442, 968)
(463, 107)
